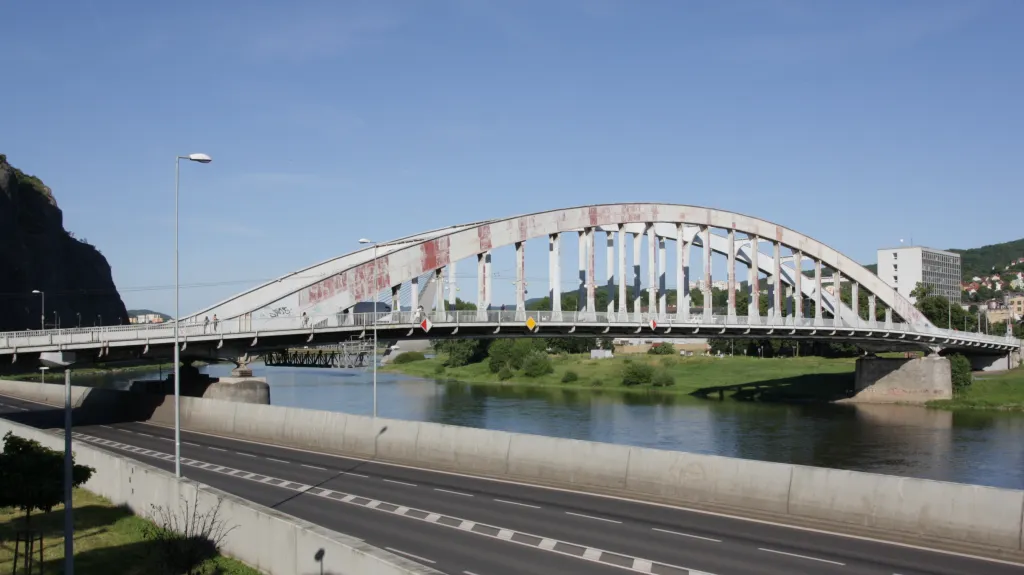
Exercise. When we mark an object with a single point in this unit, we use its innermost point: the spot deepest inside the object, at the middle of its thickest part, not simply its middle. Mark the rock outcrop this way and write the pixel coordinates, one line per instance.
(37, 253)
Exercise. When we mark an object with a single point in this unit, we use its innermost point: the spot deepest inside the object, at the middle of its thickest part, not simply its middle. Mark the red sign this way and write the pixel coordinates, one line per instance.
(426, 325)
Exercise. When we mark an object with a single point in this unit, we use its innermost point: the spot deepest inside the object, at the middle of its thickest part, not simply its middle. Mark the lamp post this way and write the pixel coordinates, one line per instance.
(375, 293)
(202, 159)
(42, 311)
(79, 314)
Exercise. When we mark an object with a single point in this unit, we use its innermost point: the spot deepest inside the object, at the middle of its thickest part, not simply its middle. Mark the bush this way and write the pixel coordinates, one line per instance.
(637, 374)
(408, 357)
(960, 368)
(183, 541)
(669, 361)
(569, 376)
(597, 382)
(439, 369)
(511, 353)
(662, 349)
(537, 364)
(505, 373)
(663, 379)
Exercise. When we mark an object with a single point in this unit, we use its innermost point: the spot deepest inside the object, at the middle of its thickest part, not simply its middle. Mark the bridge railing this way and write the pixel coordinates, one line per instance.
(696, 319)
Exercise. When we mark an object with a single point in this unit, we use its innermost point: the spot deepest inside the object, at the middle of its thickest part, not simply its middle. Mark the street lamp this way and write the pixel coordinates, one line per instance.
(79, 314)
(202, 159)
(375, 293)
(42, 312)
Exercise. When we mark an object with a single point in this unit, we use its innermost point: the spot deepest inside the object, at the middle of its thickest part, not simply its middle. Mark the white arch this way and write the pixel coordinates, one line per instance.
(340, 283)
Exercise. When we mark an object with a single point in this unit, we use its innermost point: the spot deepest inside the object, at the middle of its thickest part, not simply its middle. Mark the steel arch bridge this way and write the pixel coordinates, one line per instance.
(319, 303)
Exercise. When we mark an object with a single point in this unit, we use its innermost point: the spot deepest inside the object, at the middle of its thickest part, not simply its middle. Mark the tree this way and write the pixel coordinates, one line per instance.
(461, 351)
(32, 476)
(460, 305)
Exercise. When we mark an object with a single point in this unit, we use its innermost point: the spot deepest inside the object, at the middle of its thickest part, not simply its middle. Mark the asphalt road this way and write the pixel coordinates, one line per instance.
(471, 526)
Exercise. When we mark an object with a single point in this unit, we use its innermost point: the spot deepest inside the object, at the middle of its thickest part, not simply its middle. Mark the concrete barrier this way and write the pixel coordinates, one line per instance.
(971, 513)
(965, 517)
(271, 541)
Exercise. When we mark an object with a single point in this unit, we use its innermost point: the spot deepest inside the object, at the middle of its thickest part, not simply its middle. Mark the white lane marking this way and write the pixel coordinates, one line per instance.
(245, 454)
(277, 460)
(106, 427)
(145, 434)
(800, 556)
(216, 449)
(354, 474)
(519, 504)
(592, 517)
(171, 439)
(314, 467)
(587, 494)
(417, 557)
(453, 492)
(643, 565)
(401, 483)
(468, 573)
(686, 535)
(189, 443)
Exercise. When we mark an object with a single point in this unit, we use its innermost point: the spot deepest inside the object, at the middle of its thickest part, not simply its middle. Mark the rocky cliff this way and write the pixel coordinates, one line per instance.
(37, 253)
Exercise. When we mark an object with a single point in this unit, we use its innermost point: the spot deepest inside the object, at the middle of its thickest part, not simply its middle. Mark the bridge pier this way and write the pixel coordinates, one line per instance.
(994, 362)
(902, 380)
(240, 387)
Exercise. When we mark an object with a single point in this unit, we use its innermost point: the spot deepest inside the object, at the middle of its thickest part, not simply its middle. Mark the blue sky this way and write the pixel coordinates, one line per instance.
(858, 123)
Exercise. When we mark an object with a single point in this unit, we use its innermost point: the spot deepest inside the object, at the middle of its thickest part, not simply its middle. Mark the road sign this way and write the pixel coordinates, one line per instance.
(426, 325)
(654, 324)
(531, 323)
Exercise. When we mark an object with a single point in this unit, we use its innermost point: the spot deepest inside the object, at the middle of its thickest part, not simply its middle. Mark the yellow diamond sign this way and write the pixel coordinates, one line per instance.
(531, 323)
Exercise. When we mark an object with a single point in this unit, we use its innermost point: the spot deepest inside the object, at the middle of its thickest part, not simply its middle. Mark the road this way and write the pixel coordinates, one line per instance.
(471, 526)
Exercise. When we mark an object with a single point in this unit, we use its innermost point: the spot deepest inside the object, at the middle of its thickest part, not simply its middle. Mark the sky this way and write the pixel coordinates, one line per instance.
(856, 123)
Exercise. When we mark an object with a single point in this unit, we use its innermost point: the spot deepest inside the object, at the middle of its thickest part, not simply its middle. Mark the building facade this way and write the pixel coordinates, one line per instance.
(903, 268)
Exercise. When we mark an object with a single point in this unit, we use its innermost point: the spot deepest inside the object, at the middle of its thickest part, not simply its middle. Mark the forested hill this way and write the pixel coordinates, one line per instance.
(978, 261)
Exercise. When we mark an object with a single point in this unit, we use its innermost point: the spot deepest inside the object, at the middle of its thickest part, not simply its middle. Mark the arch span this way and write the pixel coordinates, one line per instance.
(339, 284)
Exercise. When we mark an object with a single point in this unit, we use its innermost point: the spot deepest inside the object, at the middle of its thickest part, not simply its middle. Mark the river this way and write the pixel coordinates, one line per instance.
(980, 447)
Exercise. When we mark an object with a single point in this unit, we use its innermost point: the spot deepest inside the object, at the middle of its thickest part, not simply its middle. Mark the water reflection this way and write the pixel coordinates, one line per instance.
(970, 447)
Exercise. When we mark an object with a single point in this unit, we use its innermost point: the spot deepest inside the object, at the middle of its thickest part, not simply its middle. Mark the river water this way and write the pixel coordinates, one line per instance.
(978, 447)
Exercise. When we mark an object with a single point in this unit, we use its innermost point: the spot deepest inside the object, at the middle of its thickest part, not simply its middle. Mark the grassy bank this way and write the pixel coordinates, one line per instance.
(783, 378)
(57, 376)
(108, 539)
(989, 391)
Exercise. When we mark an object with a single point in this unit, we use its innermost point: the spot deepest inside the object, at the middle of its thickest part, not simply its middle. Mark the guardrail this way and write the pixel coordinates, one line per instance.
(656, 322)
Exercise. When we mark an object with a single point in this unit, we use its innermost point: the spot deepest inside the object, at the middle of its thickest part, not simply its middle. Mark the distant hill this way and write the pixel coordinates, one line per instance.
(138, 312)
(978, 261)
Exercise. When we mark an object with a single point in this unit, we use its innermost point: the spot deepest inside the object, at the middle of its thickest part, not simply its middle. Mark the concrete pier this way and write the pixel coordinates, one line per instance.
(902, 380)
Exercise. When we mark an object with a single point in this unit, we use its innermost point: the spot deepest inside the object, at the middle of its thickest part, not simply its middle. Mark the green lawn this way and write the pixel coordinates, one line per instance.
(108, 539)
(783, 375)
(989, 391)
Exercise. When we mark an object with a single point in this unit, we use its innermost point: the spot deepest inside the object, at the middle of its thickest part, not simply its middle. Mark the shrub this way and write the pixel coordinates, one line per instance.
(569, 376)
(408, 357)
(505, 373)
(663, 379)
(511, 353)
(637, 374)
(439, 369)
(537, 364)
(960, 368)
(662, 349)
(597, 382)
(669, 361)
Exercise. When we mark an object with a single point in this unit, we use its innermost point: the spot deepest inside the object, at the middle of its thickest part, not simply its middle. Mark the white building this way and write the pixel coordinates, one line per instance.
(903, 268)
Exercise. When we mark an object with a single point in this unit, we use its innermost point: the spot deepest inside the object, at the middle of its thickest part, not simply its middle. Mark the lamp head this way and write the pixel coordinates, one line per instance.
(201, 158)
(36, 291)
(365, 241)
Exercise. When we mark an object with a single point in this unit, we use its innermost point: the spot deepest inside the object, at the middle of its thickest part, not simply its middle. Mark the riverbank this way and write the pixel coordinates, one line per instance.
(108, 539)
(781, 379)
(56, 376)
(1001, 391)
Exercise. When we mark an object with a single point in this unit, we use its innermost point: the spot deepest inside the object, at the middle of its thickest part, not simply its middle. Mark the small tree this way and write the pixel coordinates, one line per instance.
(32, 476)
(960, 373)
(184, 539)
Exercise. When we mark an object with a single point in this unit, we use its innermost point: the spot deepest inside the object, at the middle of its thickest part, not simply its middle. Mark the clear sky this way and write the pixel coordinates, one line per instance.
(858, 123)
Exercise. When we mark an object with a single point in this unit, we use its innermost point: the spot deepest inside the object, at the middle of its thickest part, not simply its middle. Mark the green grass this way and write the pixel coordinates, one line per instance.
(108, 539)
(57, 376)
(989, 391)
(690, 373)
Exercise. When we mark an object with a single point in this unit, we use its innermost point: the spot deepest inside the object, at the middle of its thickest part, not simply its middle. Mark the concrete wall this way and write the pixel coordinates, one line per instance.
(949, 515)
(273, 542)
(891, 380)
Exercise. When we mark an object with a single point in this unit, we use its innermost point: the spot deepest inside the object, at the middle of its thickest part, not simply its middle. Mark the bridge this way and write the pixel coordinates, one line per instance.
(317, 305)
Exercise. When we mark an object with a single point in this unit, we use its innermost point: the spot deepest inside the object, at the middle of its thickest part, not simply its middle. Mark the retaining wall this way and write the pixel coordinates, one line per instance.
(965, 517)
(273, 542)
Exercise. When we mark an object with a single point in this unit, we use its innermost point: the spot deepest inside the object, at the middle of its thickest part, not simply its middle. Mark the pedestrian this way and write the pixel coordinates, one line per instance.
(305, 319)
(206, 323)
(215, 322)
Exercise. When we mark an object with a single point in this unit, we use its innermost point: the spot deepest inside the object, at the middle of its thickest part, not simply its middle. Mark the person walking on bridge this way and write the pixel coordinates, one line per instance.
(206, 323)
(215, 322)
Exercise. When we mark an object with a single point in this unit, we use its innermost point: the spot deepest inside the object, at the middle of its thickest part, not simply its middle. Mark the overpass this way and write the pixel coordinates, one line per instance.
(317, 304)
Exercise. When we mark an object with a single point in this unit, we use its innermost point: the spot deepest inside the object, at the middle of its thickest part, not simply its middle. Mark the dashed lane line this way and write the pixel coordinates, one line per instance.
(276, 460)
(401, 483)
(314, 467)
(592, 517)
(453, 492)
(519, 504)
(407, 554)
(581, 552)
(800, 556)
(690, 535)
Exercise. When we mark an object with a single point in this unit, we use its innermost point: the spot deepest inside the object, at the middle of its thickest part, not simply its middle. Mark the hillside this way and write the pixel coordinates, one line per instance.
(37, 253)
(978, 261)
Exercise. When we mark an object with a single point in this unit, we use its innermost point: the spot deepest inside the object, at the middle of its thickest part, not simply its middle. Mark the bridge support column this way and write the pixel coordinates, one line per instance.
(555, 273)
(610, 264)
(892, 380)
(789, 304)
(591, 276)
(708, 303)
(731, 277)
(754, 281)
(777, 284)
(520, 281)
(872, 317)
(414, 294)
(439, 294)
(452, 291)
(581, 288)
(682, 274)
(798, 294)
(888, 318)
(482, 281)
(396, 301)
(855, 302)
(662, 294)
(818, 319)
(623, 304)
(837, 300)
(637, 299)
(652, 272)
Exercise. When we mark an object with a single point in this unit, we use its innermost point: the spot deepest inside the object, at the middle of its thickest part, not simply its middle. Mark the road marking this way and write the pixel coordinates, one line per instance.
(106, 427)
(277, 460)
(800, 556)
(245, 454)
(190, 443)
(566, 548)
(452, 492)
(314, 467)
(468, 573)
(592, 517)
(519, 504)
(171, 439)
(401, 483)
(354, 474)
(686, 535)
(145, 434)
(217, 449)
(416, 557)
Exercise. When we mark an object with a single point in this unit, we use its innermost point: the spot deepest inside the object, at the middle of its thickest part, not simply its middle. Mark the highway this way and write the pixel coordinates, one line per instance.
(471, 526)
